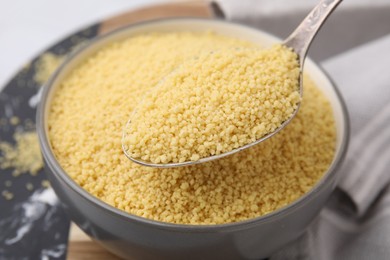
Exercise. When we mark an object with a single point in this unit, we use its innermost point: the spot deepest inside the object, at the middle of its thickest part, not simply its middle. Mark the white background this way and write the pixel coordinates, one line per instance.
(29, 26)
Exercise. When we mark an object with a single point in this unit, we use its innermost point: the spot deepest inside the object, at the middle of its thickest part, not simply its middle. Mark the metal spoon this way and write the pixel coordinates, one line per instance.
(299, 41)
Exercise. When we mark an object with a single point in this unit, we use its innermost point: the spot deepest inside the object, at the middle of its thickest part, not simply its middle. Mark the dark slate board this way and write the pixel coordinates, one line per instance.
(46, 236)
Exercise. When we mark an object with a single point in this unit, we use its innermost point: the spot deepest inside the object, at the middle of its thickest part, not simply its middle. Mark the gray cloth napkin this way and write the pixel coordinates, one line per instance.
(352, 24)
(355, 224)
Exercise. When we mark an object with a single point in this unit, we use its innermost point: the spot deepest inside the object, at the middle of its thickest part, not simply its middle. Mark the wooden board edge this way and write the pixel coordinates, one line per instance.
(202, 9)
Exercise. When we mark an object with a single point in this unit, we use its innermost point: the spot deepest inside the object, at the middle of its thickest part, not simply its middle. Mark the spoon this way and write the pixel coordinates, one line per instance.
(299, 41)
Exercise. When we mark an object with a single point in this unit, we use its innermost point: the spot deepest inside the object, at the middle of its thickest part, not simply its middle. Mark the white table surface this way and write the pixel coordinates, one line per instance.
(29, 26)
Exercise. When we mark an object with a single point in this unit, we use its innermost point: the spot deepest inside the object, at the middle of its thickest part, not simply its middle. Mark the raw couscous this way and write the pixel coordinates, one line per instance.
(215, 103)
(23, 156)
(92, 105)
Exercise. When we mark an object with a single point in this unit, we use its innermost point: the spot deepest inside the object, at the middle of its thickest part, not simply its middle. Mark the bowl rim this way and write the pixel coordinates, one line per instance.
(56, 169)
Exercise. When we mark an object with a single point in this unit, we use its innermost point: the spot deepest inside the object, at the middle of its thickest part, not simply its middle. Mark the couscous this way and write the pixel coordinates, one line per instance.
(92, 104)
(215, 103)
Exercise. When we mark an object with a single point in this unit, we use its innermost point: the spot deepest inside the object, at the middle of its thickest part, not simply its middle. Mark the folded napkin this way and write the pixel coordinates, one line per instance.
(355, 224)
(352, 24)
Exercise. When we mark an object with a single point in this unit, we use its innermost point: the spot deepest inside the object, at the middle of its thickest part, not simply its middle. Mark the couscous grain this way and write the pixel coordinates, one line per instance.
(92, 103)
(24, 156)
(215, 103)
(46, 65)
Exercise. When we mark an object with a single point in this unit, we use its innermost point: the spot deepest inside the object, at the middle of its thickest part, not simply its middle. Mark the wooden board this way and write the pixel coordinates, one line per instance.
(81, 247)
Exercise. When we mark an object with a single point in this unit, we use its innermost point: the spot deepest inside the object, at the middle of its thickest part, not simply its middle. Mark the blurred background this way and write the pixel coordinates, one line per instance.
(27, 27)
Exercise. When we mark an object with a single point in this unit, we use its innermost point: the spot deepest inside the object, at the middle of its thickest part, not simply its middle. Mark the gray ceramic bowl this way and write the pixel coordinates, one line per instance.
(134, 237)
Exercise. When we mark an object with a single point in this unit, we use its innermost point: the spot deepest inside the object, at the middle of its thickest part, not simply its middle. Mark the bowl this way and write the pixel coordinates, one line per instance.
(134, 237)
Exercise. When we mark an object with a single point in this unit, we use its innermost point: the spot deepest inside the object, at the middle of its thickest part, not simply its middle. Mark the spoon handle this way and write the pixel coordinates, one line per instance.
(301, 38)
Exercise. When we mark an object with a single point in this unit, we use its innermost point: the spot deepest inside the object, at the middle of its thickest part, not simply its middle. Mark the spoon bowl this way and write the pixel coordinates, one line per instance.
(299, 41)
